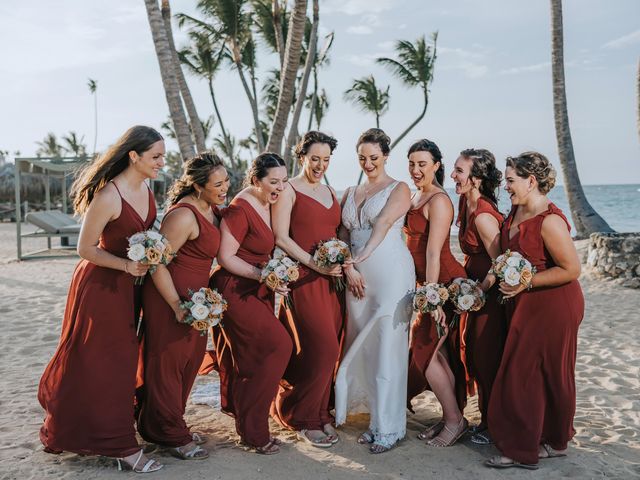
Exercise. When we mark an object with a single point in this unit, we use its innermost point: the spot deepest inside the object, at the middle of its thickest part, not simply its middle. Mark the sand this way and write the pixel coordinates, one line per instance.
(607, 443)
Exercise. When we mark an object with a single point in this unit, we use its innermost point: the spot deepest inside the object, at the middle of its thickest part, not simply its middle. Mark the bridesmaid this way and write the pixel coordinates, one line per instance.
(259, 347)
(533, 400)
(434, 363)
(307, 214)
(173, 351)
(87, 389)
(477, 180)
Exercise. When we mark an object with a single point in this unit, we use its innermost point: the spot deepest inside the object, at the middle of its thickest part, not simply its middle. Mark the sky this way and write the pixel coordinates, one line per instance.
(492, 86)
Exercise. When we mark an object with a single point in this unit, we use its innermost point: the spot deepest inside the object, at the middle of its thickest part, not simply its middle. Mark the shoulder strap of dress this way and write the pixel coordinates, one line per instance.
(117, 189)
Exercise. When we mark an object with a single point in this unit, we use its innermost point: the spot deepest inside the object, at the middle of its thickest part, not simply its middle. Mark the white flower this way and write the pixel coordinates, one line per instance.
(432, 296)
(465, 288)
(216, 309)
(273, 263)
(198, 298)
(136, 238)
(281, 271)
(136, 252)
(465, 302)
(155, 236)
(287, 262)
(278, 253)
(514, 260)
(199, 311)
(511, 276)
(160, 245)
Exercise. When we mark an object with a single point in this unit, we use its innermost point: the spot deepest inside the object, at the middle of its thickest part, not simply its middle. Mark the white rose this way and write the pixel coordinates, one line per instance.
(278, 253)
(465, 302)
(199, 311)
(136, 252)
(281, 271)
(511, 276)
(465, 288)
(155, 236)
(273, 263)
(287, 262)
(136, 238)
(432, 297)
(199, 298)
(216, 309)
(514, 260)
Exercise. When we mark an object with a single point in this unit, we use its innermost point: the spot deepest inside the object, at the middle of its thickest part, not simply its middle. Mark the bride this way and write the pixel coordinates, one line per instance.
(373, 373)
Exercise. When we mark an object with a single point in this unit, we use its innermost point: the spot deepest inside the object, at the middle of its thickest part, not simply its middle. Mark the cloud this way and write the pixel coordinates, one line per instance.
(360, 30)
(471, 63)
(358, 7)
(624, 41)
(537, 67)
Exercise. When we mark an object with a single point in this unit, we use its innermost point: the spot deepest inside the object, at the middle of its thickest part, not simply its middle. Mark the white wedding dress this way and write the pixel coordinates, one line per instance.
(372, 376)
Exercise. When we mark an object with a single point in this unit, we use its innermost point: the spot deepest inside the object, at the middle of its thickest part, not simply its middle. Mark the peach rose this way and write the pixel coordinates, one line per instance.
(153, 256)
(272, 281)
(419, 302)
(293, 274)
(525, 276)
(200, 325)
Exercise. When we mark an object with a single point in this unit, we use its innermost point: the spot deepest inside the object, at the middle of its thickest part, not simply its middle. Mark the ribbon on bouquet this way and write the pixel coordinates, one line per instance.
(292, 327)
(227, 343)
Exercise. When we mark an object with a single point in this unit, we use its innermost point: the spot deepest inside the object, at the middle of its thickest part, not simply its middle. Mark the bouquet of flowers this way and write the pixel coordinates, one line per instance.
(205, 309)
(331, 253)
(513, 269)
(279, 271)
(428, 297)
(150, 248)
(466, 296)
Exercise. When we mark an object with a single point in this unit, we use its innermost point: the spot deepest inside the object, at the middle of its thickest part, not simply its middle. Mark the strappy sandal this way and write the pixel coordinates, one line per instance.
(496, 462)
(269, 449)
(432, 431)
(365, 438)
(149, 467)
(377, 448)
(549, 452)
(324, 442)
(455, 435)
(482, 438)
(199, 438)
(196, 453)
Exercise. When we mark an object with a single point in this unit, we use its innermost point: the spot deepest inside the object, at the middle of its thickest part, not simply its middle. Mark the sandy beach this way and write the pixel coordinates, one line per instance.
(607, 443)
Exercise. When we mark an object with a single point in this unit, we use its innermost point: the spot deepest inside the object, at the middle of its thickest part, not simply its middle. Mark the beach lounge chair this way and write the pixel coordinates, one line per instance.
(52, 224)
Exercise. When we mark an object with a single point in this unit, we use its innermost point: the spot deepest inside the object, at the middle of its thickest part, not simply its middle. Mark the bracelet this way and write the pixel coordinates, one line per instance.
(126, 262)
(529, 285)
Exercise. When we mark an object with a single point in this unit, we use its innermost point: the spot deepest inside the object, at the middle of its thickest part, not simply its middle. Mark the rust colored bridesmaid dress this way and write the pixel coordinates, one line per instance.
(424, 337)
(88, 388)
(303, 397)
(253, 362)
(533, 400)
(486, 329)
(173, 351)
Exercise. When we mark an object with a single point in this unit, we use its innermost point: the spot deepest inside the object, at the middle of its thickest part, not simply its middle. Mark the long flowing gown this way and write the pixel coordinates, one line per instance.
(373, 373)
(88, 388)
(424, 335)
(173, 351)
(486, 329)
(253, 361)
(317, 313)
(533, 400)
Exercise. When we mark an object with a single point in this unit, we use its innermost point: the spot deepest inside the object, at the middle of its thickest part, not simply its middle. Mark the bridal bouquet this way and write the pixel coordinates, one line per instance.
(150, 248)
(466, 296)
(513, 269)
(205, 309)
(428, 297)
(279, 271)
(331, 253)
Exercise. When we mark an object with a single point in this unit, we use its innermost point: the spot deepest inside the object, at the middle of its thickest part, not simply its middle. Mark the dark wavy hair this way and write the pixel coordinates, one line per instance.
(483, 167)
(425, 145)
(261, 165)
(536, 164)
(110, 164)
(375, 136)
(195, 171)
(311, 138)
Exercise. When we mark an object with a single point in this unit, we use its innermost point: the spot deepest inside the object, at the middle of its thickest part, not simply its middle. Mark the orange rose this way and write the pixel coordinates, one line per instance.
(419, 301)
(443, 293)
(525, 276)
(153, 256)
(272, 281)
(200, 325)
(293, 274)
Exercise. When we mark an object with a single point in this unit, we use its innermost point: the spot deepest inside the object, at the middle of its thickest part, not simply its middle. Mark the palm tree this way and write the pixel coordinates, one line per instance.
(365, 94)
(414, 67)
(74, 145)
(271, 19)
(585, 218)
(289, 73)
(49, 146)
(321, 107)
(194, 120)
(93, 89)
(321, 59)
(169, 80)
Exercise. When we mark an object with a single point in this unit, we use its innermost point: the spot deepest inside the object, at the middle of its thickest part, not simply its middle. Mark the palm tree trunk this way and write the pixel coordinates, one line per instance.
(237, 60)
(302, 93)
(377, 119)
(288, 75)
(277, 27)
(314, 97)
(585, 218)
(415, 122)
(194, 119)
(219, 117)
(169, 80)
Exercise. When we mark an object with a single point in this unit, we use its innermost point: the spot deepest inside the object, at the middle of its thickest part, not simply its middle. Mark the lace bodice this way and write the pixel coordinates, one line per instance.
(364, 219)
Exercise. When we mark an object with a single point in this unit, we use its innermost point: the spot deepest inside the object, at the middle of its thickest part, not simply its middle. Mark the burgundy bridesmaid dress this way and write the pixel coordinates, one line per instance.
(317, 313)
(173, 351)
(258, 350)
(88, 388)
(533, 400)
(486, 329)
(424, 336)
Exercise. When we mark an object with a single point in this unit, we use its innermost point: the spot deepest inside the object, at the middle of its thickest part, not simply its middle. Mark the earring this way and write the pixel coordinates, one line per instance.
(198, 195)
